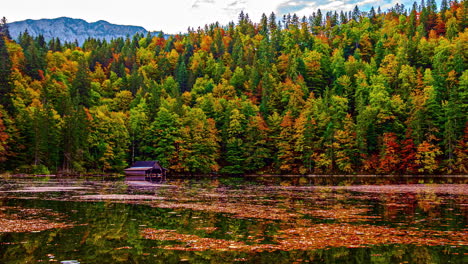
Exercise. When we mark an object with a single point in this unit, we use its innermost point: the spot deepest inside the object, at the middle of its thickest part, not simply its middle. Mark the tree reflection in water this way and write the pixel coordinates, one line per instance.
(113, 231)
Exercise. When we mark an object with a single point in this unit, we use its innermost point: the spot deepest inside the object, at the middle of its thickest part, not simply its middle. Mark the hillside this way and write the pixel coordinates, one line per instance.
(348, 93)
(70, 29)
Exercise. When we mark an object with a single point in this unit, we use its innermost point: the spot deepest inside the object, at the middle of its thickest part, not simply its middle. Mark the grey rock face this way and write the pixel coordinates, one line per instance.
(70, 29)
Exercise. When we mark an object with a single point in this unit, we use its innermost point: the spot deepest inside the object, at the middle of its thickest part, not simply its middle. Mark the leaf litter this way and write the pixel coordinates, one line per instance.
(352, 225)
(29, 220)
(290, 207)
(317, 236)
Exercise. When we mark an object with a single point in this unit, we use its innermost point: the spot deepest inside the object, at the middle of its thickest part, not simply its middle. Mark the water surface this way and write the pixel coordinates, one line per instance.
(231, 222)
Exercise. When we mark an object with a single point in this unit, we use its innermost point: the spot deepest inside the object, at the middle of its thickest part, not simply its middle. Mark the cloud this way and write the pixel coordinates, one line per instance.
(307, 7)
(235, 6)
(292, 6)
(220, 8)
(220, 4)
(199, 3)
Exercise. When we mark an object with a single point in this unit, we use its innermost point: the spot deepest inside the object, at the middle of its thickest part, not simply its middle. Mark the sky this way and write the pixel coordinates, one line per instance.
(175, 16)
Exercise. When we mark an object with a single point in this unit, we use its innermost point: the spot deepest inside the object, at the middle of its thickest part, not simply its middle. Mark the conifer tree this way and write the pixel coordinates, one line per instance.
(5, 75)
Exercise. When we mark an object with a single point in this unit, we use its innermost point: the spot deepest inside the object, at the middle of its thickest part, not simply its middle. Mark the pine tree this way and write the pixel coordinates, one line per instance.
(81, 85)
(4, 29)
(5, 76)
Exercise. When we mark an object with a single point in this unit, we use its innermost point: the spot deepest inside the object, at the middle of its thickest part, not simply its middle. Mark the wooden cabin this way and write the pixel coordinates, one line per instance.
(146, 171)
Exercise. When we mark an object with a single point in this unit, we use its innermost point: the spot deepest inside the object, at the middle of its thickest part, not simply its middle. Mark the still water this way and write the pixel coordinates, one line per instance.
(231, 221)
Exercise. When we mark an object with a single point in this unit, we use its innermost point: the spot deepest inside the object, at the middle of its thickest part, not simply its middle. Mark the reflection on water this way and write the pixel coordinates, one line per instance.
(241, 216)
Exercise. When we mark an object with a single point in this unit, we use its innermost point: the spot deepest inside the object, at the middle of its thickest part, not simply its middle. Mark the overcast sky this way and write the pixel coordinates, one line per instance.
(175, 16)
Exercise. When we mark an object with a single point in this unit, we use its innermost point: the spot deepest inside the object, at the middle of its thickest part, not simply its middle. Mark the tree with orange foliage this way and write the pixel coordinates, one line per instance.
(461, 153)
(206, 43)
(426, 157)
(286, 152)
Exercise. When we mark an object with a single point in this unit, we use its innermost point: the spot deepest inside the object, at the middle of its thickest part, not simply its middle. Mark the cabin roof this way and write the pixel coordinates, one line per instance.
(138, 168)
(145, 163)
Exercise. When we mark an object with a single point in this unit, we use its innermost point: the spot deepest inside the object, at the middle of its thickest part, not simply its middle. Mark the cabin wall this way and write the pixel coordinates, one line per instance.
(135, 173)
(135, 178)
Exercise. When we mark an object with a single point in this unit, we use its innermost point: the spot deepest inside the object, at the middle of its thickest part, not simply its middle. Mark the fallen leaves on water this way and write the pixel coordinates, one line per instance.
(208, 229)
(28, 220)
(18, 226)
(193, 242)
(316, 236)
(120, 248)
(455, 189)
(43, 189)
(347, 235)
(118, 197)
(249, 210)
(239, 210)
(341, 213)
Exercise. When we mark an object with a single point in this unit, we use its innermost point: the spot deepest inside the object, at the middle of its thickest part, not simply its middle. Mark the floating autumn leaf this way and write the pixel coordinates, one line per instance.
(347, 235)
(340, 213)
(27, 220)
(237, 209)
(120, 248)
(118, 197)
(193, 242)
(316, 236)
(207, 229)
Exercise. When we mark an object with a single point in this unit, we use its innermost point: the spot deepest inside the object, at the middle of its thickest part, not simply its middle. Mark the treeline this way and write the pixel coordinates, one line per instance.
(358, 92)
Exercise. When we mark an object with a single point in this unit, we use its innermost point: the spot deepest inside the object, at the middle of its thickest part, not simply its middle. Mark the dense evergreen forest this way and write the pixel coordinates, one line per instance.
(336, 92)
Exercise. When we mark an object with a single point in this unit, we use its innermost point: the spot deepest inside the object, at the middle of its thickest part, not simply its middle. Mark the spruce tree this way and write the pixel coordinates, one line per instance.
(5, 75)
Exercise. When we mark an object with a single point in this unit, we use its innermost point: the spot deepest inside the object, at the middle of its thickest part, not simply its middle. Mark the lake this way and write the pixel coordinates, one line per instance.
(231, 221)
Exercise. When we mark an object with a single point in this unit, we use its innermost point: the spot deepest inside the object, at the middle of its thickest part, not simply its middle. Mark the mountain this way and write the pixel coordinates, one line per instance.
(70, 29)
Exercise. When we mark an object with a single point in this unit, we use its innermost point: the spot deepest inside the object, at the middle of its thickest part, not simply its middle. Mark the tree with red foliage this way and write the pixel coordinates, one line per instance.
(408, 155)
(461, 153)
(440, 26)
(3, 139)
(390, 155)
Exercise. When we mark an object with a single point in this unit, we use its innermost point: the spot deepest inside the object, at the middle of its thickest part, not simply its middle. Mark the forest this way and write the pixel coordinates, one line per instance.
(371, 92)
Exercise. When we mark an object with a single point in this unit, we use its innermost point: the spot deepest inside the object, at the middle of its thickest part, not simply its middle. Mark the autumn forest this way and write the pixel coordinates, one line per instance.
(371, 92)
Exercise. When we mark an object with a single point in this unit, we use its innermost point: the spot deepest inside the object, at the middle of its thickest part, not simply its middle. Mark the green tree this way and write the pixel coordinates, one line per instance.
(108, 140)
(257, 153)
(81, 85)
(5, 76)
(345, 145)
(45, 125)
(4, 28)
(74, 138)
(200, 142)
(162, 140)
(235, 143)
(138, 122)
(314, 73)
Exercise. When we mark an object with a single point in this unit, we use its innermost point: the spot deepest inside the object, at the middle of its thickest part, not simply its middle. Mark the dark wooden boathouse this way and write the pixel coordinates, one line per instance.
(146, 171)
